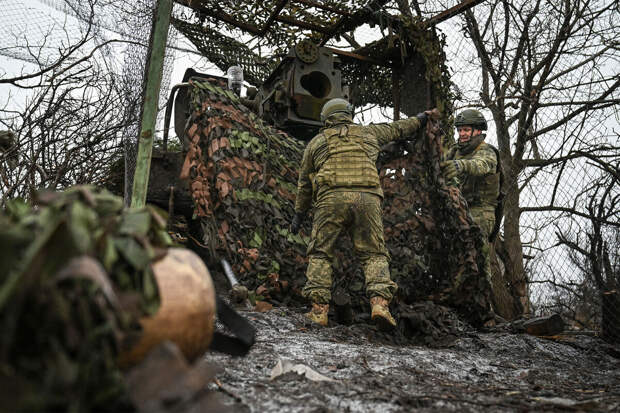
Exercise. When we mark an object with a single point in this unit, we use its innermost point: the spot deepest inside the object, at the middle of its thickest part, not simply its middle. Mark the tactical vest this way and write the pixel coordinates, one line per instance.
(481, 190)
(349, 164)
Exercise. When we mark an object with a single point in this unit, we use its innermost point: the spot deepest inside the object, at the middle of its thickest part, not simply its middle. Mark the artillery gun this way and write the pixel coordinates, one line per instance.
(291, 97)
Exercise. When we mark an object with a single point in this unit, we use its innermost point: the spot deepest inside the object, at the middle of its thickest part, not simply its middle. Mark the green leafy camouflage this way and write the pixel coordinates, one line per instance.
(243, 177)
(74, 279)
(244, 196)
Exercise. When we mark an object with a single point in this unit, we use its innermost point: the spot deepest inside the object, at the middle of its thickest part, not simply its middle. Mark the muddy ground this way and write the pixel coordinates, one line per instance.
(476, 371)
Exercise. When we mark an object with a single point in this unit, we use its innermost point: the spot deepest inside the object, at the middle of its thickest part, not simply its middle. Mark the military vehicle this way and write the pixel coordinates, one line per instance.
(290, 99)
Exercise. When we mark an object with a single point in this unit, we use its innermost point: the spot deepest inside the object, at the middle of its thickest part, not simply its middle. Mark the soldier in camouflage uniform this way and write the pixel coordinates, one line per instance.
(475, 164)
(339, 171)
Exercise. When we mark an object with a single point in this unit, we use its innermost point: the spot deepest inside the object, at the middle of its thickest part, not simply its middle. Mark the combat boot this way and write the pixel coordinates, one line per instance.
(380, 314)
(318, 314)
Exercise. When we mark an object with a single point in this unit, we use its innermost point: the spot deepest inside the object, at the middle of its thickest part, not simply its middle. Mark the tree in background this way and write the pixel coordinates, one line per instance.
(595, 251)
(549, 77)
(69, 129)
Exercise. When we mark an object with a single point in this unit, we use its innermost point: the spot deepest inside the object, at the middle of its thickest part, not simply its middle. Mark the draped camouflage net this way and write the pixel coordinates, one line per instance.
(223, 50)
(411, 57)
(243, 177)
(243, 174)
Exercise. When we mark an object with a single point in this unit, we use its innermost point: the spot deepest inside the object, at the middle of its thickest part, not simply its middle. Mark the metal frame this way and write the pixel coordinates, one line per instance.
(347, 21)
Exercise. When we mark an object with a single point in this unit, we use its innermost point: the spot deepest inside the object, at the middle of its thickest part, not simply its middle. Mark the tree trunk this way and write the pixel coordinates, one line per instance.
(505, 304)
(610, 323)
(515, 272)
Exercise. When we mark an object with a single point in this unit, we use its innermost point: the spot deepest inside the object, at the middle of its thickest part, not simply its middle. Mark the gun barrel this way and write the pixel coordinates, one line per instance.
(229, 273)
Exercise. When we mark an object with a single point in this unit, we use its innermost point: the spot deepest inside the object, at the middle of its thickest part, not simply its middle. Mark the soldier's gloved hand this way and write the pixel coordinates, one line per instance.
(451, 169)
(423, 118)
(296, 224)
(433, 114)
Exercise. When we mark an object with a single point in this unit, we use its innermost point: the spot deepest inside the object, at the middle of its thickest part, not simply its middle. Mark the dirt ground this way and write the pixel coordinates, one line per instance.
(363, 370)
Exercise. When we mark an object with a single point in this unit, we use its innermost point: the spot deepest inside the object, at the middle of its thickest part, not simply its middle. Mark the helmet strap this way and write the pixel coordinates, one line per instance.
(471, 144)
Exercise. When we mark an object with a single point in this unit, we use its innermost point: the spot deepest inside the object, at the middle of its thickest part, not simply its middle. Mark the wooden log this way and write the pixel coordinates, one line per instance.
(544, 326)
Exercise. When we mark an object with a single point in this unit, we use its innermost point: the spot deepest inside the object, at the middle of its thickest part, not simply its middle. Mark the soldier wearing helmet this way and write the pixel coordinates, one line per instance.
(476, 167)
(340, 164)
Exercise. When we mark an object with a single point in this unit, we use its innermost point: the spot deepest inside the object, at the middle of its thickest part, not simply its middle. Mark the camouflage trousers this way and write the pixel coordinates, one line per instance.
(485, 219)
(358, 214)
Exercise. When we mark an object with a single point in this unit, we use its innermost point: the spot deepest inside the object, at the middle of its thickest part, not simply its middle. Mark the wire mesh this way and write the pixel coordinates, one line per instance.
(567, 208)
(54, 33)
(568, 187)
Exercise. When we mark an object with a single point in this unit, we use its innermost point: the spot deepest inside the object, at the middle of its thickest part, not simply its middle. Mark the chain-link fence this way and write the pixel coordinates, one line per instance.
(46, 37)
(556, 100)
(544, 77)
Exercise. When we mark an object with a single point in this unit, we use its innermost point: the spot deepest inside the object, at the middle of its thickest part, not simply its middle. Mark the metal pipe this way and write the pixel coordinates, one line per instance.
(229, 273)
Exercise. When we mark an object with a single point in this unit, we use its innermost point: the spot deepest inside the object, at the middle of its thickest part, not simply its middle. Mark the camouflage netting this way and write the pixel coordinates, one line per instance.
(222, 50)
(75, 278)
(243, 178)
(412, 49)
(272, 26)
(434, 243)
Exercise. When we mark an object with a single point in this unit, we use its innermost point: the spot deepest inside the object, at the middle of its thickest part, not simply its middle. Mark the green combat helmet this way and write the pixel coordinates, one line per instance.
(336, 105)
(471, 117)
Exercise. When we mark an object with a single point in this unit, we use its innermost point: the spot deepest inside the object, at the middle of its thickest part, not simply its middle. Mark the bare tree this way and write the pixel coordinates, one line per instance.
(549, 76)
(596, 255)
(69, 130)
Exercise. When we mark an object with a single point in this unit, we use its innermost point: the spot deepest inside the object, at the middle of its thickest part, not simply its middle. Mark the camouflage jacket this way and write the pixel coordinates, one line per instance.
(343, 156)
(480, 178)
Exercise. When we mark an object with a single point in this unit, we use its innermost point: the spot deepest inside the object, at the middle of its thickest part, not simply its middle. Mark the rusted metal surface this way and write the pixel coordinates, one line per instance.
(357, 56)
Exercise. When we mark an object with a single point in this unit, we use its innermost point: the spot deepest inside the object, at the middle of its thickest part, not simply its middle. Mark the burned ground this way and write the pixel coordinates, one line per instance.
(372, 371)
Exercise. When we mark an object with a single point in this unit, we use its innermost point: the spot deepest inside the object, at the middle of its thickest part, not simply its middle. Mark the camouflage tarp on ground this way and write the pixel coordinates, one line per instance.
(243, 178)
